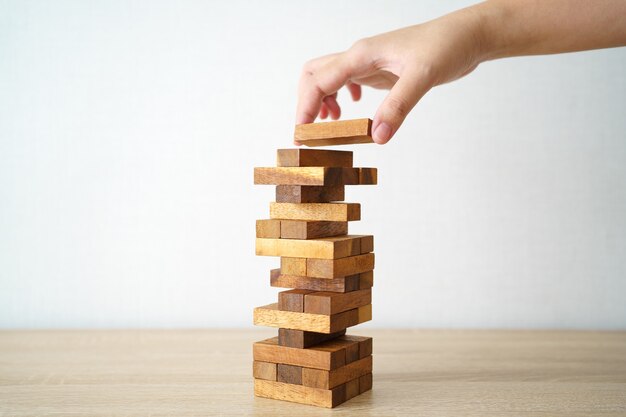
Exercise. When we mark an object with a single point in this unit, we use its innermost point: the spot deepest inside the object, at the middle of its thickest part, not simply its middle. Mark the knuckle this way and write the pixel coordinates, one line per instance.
(398, 106)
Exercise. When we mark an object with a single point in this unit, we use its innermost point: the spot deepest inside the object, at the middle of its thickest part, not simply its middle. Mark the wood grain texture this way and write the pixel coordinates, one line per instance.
(187, 373)
(264, 370)
(312, 229)
(309, 193)
(333, 268)
(319, 378)
(301, 339)
(289, 374)
(343, 132)
(268, 228)
(339, 212)
(293, 266)
(322, 248)
(368, 176)
(343, 284)
(304, 175)
(333, 303)
(299, 393)
(365, 345)
(324, 356)
(271, 316)
(313, 158)
(292, 300)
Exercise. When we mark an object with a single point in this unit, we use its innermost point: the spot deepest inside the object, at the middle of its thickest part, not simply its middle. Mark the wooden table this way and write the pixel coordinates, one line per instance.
(208, 372)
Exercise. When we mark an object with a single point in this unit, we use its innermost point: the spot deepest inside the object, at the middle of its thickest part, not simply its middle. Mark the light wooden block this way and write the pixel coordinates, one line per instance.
(324, 356)
(293, 266)
(322, 248)
(271, 316)
(300, 393)
(344, 132)
(301, 339)
(324, 379)
(264, 370)
(343, 284)
(309, 193)
(339, 212)
(313, 158)
(324, 268)
(311, 229)
(332, 303)
(268, 228)
(312, 176)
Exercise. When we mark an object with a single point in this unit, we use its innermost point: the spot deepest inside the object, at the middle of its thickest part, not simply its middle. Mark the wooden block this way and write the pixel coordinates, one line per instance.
(364, 343)
(364, 313)
(322, 268)
(268, 228)
(264, 370)
(352, 388)
(339, 212)
(324, 356)
(343, 284)
(293, 266)
(332, 303)
(289, 374)
(366, 280)
(324, 379)
(292, 300)
(311, 229)
(365, 383)
(368, 176)
(299, 393)
(352, 353)
(313, 158)
(271, 316)
(309, 193)
(322, 248)
(313, 176)
(367, 243)
(301, 339)
(343, 132)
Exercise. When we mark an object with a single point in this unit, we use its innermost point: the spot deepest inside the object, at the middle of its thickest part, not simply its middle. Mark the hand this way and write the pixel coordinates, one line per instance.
(409, 62)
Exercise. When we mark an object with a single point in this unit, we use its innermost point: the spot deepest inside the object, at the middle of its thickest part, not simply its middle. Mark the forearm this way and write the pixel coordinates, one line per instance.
(534, 27)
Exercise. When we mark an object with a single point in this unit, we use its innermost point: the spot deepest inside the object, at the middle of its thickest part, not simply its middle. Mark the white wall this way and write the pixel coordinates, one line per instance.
(128, 133)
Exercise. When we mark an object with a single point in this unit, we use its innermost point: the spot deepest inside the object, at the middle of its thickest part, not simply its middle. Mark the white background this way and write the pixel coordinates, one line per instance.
(129, 130)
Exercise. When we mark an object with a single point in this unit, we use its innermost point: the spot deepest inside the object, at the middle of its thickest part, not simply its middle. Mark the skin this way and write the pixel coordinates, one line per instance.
(411, 61)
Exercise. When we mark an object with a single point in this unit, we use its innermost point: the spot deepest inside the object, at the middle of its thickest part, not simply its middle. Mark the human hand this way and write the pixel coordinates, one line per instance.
(409, 62)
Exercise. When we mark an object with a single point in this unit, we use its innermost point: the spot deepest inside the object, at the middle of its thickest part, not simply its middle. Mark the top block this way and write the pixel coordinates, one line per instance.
(313, 158)
(344, 132)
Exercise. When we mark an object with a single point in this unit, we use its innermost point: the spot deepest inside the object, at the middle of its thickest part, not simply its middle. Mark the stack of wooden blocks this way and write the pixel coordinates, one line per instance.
(313, 361)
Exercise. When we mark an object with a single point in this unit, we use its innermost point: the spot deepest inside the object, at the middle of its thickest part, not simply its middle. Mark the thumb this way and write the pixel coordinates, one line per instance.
(404, 95)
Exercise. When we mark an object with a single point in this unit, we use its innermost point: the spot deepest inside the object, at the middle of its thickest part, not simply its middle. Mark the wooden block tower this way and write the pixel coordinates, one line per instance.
(313, 361)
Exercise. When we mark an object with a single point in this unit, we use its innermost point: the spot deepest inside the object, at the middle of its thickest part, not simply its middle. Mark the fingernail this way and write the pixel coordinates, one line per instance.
(382, 133)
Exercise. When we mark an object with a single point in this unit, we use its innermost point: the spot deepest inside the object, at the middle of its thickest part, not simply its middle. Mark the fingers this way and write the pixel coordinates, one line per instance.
(355, 90)
(333, 107)
(320, 80)
(404, 95)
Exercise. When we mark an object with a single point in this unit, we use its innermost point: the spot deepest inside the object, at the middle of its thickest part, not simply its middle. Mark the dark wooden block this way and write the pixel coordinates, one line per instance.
(301, 339)
(289, 374)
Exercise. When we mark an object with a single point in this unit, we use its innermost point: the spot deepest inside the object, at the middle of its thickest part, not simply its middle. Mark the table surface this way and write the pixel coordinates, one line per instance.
(208, 372)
